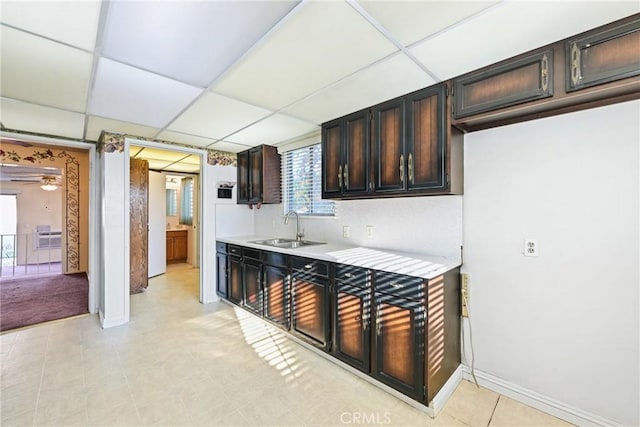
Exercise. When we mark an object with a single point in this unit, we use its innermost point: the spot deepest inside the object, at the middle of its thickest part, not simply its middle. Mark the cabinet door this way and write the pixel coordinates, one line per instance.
(390, 161)
(243, 177)
(255, 175)
(253, 285)
(235, 280)
(310, 308)
(602, 56)
(399, 341)
(276, 295)
(170, 256)
(352, 316)
(180, 246)
(425, 138)
(355, 168)
(332, 159)
(221, 266)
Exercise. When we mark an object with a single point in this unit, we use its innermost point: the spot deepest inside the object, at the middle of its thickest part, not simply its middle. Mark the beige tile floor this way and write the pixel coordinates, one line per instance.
(179, 362)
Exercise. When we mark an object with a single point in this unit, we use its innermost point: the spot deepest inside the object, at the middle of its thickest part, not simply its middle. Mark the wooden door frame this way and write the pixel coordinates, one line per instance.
(206, 294)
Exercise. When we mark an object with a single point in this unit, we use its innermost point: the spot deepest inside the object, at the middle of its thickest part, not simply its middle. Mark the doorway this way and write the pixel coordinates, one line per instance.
(170, 235)
(45, 241)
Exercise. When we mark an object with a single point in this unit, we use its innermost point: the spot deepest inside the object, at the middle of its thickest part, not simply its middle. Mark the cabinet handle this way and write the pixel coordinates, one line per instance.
(544, 73)
(340, 176)
(347, 274)
(307, 266)
(378, 321)
(402, 168)
(575, 64)
(396, 285)
(345, 173)
(411, 168)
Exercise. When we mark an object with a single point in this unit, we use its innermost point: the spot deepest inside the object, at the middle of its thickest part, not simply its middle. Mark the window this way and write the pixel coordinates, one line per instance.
(302, 182)
(172, 202)
(186, 201)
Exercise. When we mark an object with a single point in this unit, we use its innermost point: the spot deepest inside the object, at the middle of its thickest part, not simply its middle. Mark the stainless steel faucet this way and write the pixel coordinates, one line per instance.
(299, 235)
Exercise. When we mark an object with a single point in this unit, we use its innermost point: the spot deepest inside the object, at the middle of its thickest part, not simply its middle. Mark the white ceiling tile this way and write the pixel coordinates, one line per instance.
(410, 21)
(72, 22)
(157, 164)
(271, 130)
(229, 147)
(126, 93)
(191, 41)
(183, 138)
(513, 28)
(96, 125)
(387, 79)
(149, 153)
(216, 116)
(37, 119)
(183, 167)
(321, 43)
(44, 72)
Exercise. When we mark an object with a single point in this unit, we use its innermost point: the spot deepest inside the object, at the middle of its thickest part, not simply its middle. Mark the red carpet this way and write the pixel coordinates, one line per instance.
(30, 300)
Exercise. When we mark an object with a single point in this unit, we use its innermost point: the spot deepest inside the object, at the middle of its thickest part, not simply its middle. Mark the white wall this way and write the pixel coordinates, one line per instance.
(564, 324)
(430, 225)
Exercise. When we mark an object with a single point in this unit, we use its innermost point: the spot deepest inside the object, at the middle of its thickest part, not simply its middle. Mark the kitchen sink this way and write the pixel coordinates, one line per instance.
(287, 243)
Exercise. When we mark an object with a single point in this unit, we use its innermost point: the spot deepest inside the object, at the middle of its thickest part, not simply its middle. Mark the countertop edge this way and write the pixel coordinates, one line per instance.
(411, 264)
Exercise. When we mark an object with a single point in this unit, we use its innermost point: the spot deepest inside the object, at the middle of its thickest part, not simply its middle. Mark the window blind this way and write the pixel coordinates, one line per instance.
(186, 202)
(302, 182)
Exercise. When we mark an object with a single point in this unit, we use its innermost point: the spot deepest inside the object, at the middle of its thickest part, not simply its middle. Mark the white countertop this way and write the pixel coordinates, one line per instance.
(410, 264)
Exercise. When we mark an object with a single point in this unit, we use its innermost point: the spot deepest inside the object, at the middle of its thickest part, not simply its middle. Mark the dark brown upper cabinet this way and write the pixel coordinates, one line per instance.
(603, 55)
(401, 147)
(426, 139)
(259, 176)
(389, 146)
(503, 85)
(592, 69)
(345, 160)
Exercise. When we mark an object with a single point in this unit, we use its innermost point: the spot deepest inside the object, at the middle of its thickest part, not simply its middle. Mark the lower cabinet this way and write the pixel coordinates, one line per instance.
(310, 303)
(222, 269)
(252, 279)
(352, 318)
(235, 286)
(399, 344)
(276, 294)
(402, 330)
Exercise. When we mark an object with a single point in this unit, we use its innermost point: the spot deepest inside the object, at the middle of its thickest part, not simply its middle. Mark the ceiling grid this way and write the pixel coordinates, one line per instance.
(229, 75)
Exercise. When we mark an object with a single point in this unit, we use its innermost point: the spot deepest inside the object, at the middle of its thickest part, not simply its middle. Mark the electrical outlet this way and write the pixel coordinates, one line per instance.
(345, 231)
(369, 231)
(531, 247)
(464, 294)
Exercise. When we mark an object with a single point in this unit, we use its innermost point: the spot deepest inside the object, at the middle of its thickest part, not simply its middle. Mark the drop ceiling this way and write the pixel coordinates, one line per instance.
(229, 75)
(166, 160)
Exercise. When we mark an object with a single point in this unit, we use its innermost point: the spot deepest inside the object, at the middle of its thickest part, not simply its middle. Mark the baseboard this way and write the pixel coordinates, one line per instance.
(536, 400)
(441, 398)
(110, 323)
